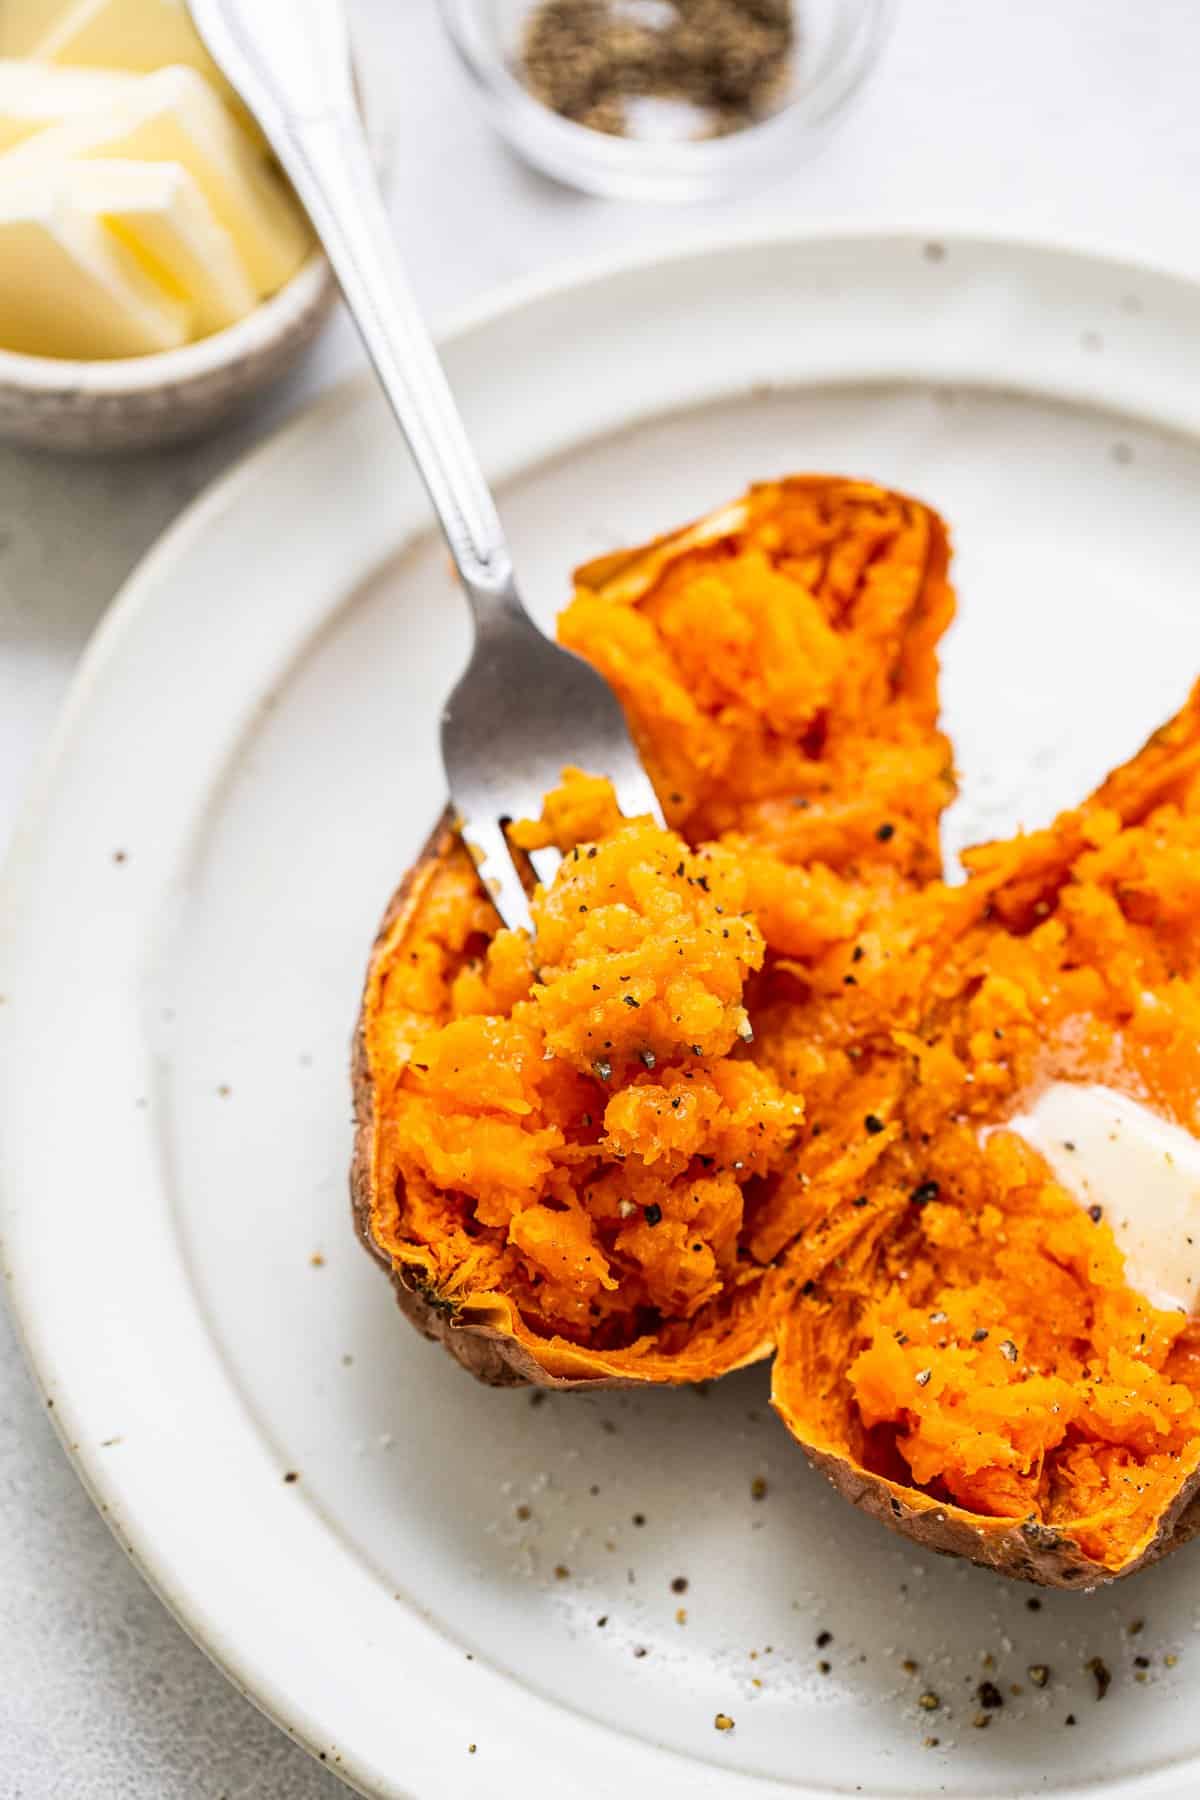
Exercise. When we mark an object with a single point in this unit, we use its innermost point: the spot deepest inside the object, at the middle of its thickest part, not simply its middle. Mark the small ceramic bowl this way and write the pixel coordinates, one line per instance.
(838, 44)
(140, 402)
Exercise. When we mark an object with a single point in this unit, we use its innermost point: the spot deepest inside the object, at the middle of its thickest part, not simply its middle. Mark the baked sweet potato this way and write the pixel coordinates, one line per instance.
(778, 664)
(967, 1359)
(746, 1090)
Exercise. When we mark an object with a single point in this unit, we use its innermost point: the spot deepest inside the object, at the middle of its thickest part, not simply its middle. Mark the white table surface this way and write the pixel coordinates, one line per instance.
(1068, 117)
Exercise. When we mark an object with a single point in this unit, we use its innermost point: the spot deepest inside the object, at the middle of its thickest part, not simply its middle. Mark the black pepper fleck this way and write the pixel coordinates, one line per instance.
(1101, 1674)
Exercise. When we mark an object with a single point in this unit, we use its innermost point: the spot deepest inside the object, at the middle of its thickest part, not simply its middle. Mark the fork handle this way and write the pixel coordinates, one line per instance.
(290, 61)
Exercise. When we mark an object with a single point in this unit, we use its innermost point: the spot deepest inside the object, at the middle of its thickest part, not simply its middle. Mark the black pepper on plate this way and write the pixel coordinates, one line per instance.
(1101, 1674)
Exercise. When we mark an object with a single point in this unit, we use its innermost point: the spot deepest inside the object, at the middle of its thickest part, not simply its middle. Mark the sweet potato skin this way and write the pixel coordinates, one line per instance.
(497, 1361)
(1024, 1552)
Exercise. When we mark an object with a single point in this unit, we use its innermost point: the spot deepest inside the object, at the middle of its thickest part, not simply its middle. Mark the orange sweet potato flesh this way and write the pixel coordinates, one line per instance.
(741, 1095)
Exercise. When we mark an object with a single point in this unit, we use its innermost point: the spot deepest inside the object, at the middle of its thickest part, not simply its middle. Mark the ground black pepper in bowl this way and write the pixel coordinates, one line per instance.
(592, 61)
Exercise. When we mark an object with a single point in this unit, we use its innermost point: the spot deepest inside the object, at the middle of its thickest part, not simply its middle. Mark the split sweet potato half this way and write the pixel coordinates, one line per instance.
(778, 665)
(741, 1095)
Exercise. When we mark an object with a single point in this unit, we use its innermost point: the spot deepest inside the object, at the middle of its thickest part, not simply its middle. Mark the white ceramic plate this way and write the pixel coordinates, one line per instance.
(249, 761)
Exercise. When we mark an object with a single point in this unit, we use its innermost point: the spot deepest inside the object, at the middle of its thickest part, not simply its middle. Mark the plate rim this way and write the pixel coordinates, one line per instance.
(137, 592)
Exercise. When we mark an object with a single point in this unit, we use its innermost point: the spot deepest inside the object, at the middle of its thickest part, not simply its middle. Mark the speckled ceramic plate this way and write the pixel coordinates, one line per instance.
(439, 1589)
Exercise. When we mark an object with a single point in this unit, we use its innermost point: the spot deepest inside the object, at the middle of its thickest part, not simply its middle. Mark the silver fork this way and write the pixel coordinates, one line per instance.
(525, 708)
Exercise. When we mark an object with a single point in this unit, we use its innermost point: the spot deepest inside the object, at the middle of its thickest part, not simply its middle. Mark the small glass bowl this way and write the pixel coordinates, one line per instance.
(837, 44)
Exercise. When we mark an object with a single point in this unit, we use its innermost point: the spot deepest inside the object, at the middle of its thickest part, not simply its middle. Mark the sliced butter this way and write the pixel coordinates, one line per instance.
(24, 23)
(34, 96)
(70, 289)
(124, 34)
(159, 213)
(174, 116)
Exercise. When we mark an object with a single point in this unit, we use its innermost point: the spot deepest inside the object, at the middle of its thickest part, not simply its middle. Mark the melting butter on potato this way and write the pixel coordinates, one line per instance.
(136, 210)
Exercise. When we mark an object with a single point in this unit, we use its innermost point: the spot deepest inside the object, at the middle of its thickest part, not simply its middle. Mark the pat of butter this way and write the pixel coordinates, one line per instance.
(159, 213)
(124, 34)
(24, 23)
(34, 96)
(174, 116)
(1143, 1171)
(71, 289)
